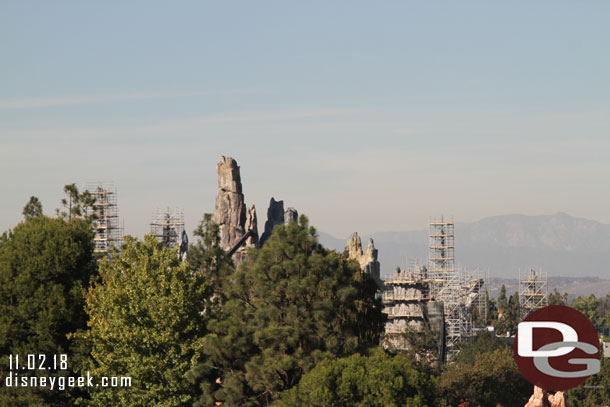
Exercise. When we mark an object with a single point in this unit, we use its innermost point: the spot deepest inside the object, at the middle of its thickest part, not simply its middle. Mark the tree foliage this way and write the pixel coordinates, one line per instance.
(508, 313)
(290, 304)
(208, 259)
(33, 208)
(596, 309)
(378, 380)
(595, 391)
(484, 342)
(77, 204)
(146, 322)
(491, 379)
(45, 264)
(556, 298)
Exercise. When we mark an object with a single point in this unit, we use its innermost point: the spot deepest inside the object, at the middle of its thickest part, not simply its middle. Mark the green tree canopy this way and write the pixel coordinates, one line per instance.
(378, 380)
(45, 264)
(484, 342)
(77, 204)
(595, 391)
(491, 379)
(146, 322)
(556, 298)
(290, 304)
(596, 309)
(33, 208)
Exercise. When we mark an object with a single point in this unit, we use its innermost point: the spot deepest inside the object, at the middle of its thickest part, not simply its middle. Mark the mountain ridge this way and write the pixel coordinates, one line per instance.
(560, 244)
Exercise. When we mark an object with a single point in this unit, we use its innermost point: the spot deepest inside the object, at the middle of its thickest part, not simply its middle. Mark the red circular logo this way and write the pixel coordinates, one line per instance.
(556, 348)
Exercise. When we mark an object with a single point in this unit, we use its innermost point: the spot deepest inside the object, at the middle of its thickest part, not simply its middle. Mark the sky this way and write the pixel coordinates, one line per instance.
(365, 116)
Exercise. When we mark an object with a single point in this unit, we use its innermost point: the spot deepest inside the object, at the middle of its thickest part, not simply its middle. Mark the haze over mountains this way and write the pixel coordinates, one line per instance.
(559, 244)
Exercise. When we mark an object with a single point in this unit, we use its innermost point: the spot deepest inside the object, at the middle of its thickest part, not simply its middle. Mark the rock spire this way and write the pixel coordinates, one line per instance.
(276, 215)
(230, 211)
(367, 259)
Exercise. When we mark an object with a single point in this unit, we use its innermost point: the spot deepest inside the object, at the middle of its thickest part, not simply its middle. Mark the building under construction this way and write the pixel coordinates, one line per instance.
(410, 309)
(167, 225)
(459, 291)
(532, 292)
(415, 298)
(108, 233)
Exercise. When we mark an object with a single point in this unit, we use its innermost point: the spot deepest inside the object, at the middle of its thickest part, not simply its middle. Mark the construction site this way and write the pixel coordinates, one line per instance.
(438, 297)
(441, 298)
(108, 232)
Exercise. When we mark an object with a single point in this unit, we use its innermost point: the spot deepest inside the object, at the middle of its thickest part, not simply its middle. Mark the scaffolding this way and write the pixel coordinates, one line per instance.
(446, 284)
(533, 291)
(168, 226)
(405, 295)
(106, 227)
(459, 291)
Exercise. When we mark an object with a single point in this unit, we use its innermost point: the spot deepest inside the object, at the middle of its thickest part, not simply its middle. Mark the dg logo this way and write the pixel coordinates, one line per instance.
(556, 348)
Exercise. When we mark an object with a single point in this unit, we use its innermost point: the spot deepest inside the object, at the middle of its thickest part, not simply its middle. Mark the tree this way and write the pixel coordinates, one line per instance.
(484, 342)
(508, 313)
(378, 380)
(597, 310)
(488, 313)
(556, 298)
(78, 204)
(595, 391)
(291, 304)
(502, 301)
(491, 379)
(207, 258)
(146, 322)
(45, 264)
(33, 208)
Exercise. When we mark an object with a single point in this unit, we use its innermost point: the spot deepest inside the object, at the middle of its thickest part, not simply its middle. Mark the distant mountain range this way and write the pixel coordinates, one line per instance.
(559, 244)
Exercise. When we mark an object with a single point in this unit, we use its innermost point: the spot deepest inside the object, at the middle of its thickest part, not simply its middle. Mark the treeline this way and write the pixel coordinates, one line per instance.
(504, 314)
(295, 325)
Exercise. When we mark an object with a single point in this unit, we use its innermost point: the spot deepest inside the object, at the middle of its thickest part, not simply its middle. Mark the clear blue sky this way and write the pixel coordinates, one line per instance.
(366, 116)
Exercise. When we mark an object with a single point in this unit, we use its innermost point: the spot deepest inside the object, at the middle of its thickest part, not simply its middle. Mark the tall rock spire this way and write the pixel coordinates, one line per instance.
(276, 215)
(230, 211)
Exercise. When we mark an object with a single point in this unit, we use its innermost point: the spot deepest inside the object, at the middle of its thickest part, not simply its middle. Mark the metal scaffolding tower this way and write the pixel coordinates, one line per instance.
(533, 292)
(446, 284)
(108, 233)
(458, 290)
(167, 226)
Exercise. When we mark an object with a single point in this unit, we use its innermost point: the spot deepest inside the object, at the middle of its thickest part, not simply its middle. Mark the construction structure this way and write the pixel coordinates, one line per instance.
(459, 291)
(533, 292)
(408, 303)
(405, 296)
(108, 233)
(167, 226)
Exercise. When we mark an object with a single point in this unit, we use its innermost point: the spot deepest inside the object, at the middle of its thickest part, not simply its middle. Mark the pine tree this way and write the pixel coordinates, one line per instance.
(45, 264)
(291, 304)
(78, 204)
(33, 208)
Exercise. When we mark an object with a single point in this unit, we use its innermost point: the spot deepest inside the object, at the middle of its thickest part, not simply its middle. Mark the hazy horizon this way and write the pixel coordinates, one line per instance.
(364, 117)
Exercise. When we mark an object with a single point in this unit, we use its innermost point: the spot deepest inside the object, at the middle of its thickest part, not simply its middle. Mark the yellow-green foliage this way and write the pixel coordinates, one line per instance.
(146, 322)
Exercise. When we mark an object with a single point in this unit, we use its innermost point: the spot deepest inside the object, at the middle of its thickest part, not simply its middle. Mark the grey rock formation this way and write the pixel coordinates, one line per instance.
(291, 215)
(367, 259)
(275, 217)
(252, 224)
(230, 210)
